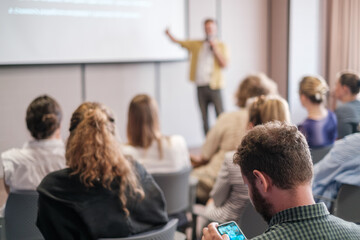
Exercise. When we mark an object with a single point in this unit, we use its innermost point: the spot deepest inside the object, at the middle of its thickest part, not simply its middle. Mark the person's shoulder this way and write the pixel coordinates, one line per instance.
(14, 155)
(138, 168)
(355, 103)
(241, 113)
(229, 159)
(308, 123)
(177, 139)
(332, 117)
(192, 41)
(55, 178)
(127, 148)
(59, 174)
(331, 114)
(355, 137)
(344, 108)
(344, 228)
(10, 153)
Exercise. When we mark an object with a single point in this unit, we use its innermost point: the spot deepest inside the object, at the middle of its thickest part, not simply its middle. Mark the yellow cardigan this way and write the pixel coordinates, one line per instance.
(194, 47)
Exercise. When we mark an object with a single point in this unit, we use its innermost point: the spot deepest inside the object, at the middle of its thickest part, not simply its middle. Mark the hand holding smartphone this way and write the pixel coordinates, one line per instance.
(232, 230)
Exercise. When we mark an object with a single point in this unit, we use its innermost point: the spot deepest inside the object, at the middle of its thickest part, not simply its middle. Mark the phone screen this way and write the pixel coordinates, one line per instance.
(232, 230)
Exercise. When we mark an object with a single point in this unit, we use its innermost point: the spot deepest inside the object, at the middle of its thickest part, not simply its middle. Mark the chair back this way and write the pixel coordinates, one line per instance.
(355, 127)
(167, 232)
(20, 216)
(346, 204)
(175, 187)
(251, 223)
(319, 153)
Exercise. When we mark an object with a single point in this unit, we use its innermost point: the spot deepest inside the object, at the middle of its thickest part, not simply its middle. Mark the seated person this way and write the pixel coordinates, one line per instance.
(226, 134)
(276, 165)
(320, 126)
(348, 114)
(25, 167)
(146, 144)
(340, 166)
(229, 195)
(102, 194)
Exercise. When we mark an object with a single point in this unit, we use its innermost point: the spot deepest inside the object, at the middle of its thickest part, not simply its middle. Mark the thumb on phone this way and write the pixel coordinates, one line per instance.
(225, 237)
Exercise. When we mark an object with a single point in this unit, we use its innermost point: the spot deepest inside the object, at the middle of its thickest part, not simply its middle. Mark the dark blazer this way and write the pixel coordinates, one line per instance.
(69, 210)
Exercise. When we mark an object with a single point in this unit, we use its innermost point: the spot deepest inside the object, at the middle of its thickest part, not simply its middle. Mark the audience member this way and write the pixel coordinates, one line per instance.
(348, 114)
(25, 167)
(276, 165)
(340, 166)
(320, 127)
(102, 194)
(158, 153)
(226, 134)
(229, 195)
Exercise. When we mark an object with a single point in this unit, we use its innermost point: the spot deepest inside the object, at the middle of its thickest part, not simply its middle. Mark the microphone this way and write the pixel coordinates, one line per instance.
(208, 39)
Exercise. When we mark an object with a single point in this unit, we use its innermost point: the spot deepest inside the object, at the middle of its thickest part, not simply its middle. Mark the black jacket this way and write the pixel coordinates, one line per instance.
(69, 210)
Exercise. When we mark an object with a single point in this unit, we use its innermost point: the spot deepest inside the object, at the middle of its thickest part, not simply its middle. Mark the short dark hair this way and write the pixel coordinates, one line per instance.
(352, 81)
(209, 20)
(43, 117)
(280, 151)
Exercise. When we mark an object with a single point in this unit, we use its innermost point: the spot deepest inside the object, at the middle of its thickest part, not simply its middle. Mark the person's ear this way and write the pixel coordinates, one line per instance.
(263, 181)
(303, 99)
(250, 126)
(346, 89)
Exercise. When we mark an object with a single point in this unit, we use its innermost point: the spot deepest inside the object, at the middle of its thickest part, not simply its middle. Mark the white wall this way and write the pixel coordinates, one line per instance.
(304, 49)
(20, 85)
(244, 29)
(116, 84)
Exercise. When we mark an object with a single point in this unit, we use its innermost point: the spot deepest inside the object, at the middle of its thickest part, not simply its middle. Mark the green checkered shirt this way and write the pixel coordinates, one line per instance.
(309, 222)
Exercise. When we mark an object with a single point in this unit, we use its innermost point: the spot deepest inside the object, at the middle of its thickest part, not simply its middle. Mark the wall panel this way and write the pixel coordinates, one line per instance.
(20, 85)
(116, 84)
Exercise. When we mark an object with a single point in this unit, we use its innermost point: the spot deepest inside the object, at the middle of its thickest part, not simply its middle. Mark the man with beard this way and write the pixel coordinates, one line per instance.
(276, 165)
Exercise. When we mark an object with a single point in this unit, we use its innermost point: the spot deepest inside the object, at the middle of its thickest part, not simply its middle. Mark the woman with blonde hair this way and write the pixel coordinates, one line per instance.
(230, 195)
(101, 194)
(146, 144)
(348, 113)
(320, 126)
(225, 135)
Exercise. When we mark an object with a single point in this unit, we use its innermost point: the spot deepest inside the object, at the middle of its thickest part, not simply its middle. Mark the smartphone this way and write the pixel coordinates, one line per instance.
(232, 230)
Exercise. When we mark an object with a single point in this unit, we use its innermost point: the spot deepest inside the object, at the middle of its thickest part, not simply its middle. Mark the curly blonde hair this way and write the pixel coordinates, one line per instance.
(93, 152)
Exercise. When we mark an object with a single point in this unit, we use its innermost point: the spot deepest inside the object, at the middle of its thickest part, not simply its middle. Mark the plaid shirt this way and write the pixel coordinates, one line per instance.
(309, 222)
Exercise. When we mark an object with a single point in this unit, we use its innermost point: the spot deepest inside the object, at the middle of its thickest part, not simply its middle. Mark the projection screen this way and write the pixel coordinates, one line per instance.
(86, 31)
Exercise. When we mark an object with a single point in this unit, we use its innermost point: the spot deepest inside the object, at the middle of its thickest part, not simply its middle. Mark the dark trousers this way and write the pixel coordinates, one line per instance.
(207, 96)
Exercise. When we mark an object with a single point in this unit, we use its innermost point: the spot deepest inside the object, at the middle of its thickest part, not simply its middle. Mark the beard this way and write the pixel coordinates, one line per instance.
(262, 206)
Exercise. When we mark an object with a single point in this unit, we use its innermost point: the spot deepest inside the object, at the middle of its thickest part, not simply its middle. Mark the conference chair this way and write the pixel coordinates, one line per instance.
(167, 232)
(251, 222)
(319, 153)
(346, 204)
(2, 229)
(175, 187)
(20, 216)
(355, 127)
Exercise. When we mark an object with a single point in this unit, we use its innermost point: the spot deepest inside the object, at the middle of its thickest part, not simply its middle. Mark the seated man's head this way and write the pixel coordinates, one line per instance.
(276, 164)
